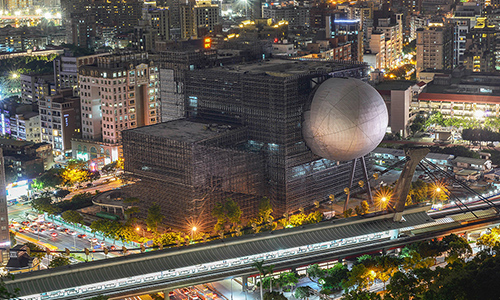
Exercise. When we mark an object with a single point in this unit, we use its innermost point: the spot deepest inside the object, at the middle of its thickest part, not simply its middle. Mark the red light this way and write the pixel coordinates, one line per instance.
(275, 40)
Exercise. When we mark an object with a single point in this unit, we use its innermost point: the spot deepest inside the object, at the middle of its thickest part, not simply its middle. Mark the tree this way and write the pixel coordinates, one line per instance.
(59, 261)
(154, 217)
(303, 292)
(314, 217)
(50, 179)
(335, 277)
(265, 208)
(44, 204)
(4, 292)
(274, 296)
(259, 265)
(12, 236)
(315, 273)
(229, 211)
(348, 213)
(270, 271)
(72, 217)
(36, 251)
(457, 248)
(288, 279)
(360, 277)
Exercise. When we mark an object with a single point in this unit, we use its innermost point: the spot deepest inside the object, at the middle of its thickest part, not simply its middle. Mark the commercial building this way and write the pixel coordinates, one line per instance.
(474, 96)
(60, 120)
(117, 92)
(251, 117)
(26, 127)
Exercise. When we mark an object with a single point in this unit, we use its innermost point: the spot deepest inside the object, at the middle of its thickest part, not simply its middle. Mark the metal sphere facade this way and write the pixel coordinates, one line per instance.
(347, 119)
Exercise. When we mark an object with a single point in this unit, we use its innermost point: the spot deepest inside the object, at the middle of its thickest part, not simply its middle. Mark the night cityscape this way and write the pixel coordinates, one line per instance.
(249, 149)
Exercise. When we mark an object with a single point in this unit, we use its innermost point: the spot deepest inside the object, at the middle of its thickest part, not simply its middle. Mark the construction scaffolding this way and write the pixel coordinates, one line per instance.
(249, 144)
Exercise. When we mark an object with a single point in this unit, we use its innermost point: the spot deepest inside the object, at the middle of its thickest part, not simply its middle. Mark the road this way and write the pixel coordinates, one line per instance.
(98, 185)
(18, 213)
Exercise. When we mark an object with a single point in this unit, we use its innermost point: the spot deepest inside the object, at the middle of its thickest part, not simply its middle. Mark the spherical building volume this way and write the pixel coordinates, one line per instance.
(347, 119)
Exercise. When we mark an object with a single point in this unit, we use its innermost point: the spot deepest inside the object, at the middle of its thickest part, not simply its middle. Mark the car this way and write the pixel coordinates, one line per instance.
(59, 227)
(49, 224)
(20, 230)
(103, 244)
(94, 240)
(185, 291)
(71, 232)
(82, 236)
(112, 247)
(89, 184)
(66, 230)
(54, 234)
(42, 230)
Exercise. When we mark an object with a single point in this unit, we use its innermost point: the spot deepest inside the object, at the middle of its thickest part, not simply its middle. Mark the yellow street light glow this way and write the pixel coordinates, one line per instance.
(438, 189)
(138, 228)
(194, 228)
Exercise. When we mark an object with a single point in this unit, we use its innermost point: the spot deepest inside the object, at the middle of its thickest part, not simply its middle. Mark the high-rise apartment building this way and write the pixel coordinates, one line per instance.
(118, 92)
(206, 17)
(435, 47)
(60, 120)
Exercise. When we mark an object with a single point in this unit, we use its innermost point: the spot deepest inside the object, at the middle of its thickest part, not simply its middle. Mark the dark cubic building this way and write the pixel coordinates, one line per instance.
(241, 138)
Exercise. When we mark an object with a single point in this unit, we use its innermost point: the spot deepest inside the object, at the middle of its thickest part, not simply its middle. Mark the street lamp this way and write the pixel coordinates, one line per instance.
(382, 201)
(193, 231)
(139, 228)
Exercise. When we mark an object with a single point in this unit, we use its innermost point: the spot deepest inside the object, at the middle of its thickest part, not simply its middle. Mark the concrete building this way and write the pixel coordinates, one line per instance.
(435, 47)
(398, 97)
(474, 96)
(244, 118)
(117, 92)
(207, 17)
(66, 69)
(26, 127)
(297, 16)
(463, 20)
(60, 120)
(481, 46)
(35, 87)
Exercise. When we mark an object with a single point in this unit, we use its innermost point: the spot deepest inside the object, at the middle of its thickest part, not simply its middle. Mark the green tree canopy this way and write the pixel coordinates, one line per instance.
(72, 217)
(154, 217)
(59, 261)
